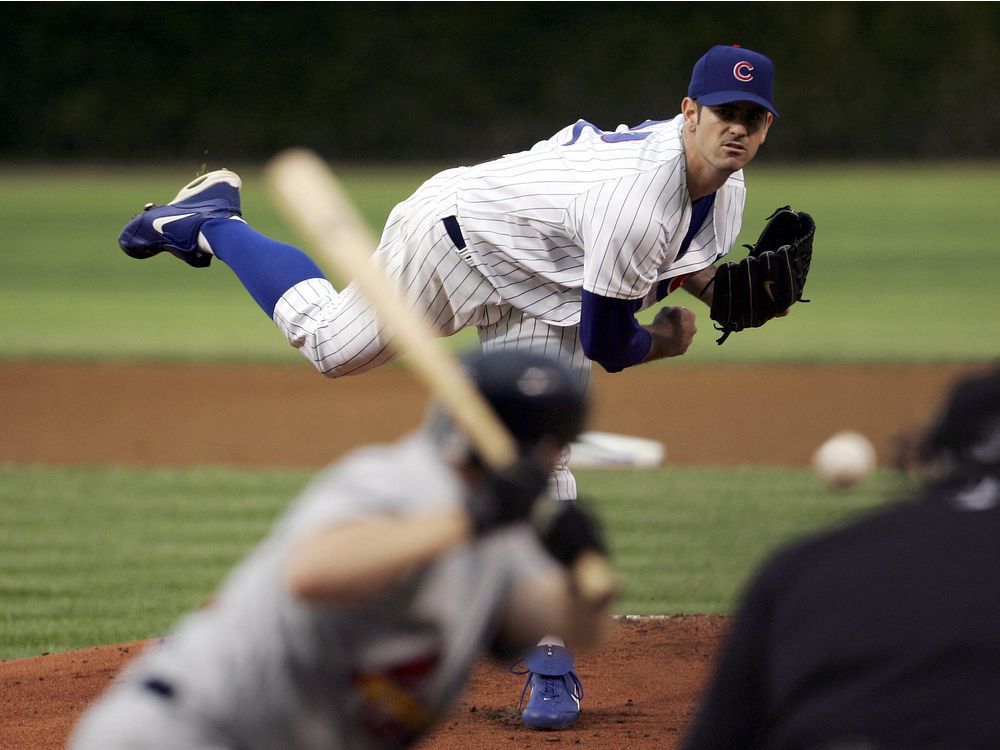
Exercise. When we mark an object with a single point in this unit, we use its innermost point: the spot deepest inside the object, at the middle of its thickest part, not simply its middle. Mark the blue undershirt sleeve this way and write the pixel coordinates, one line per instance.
(609, 332)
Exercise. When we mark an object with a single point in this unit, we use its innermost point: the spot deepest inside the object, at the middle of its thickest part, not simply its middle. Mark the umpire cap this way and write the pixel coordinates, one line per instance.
(967, 432)
(533, 395)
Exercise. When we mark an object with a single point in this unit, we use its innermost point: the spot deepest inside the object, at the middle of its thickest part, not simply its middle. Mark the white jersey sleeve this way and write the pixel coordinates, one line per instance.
(629, 228)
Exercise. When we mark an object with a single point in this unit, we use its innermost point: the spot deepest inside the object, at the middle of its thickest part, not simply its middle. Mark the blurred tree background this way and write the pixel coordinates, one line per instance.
(379, 82)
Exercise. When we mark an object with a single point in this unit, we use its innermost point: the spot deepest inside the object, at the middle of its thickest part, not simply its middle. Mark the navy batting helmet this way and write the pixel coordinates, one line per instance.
(533, 395)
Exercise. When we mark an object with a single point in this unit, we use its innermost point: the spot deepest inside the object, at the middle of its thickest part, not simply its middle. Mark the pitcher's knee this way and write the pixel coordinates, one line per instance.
(333, 366)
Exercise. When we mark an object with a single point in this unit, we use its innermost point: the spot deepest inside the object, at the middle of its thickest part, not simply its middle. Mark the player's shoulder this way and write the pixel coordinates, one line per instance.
(584, 132)
(393, 464)
(399, 477)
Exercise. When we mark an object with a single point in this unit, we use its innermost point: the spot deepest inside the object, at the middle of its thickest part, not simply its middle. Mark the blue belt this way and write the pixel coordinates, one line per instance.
(159, 687)
(454, 231)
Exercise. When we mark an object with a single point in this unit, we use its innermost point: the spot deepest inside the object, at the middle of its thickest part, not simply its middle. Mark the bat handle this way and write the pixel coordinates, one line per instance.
(595, 580)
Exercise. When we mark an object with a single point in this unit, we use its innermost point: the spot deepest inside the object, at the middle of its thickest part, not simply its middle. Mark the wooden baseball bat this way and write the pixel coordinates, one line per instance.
(311, 197)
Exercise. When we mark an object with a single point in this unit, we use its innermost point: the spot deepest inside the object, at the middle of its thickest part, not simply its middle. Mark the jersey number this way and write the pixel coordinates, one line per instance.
(633, 134)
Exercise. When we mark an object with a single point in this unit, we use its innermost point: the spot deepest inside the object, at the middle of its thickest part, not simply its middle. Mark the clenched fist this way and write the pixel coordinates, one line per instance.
(672, 330)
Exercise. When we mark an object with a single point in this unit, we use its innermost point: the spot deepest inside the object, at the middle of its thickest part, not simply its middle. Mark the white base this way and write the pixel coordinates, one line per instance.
(605, 450)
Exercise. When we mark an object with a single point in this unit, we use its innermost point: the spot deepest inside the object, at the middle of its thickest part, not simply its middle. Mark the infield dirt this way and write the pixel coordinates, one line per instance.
(640, 692)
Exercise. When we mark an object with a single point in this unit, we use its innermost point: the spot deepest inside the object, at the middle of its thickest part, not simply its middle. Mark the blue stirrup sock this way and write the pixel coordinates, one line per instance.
(266, 267)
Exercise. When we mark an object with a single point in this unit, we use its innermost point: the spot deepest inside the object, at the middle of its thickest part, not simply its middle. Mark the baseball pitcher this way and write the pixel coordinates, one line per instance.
(553, 249)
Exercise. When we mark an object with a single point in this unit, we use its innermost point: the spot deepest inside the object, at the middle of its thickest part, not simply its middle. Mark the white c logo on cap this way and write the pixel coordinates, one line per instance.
(743, 71)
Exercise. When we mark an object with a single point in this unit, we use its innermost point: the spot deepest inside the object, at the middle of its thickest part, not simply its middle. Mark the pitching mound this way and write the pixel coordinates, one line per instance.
(639, 693)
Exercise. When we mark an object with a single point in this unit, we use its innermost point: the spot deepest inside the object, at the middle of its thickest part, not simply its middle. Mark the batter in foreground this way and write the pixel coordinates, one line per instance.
(356, 622)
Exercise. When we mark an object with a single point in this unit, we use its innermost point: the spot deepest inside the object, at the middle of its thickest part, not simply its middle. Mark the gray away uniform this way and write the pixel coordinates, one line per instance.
(262, 669)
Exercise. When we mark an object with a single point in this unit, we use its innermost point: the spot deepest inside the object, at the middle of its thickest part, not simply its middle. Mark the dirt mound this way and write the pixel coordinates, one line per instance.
(639, 692)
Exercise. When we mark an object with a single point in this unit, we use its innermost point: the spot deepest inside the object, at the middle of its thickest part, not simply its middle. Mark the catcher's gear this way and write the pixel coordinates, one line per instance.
(770, 279)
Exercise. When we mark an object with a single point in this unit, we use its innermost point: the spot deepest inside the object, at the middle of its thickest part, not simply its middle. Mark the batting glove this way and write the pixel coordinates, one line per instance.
(506, 496)
(567, 530)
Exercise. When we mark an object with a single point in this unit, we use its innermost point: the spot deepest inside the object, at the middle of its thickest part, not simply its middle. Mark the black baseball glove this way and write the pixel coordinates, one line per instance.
(770, 279)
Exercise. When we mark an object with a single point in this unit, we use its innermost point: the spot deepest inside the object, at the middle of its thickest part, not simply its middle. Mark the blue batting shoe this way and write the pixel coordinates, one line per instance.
(175, 227)
(556, 691)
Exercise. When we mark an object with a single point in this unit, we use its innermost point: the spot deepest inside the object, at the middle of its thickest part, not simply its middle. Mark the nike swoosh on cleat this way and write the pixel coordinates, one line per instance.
(159, 224)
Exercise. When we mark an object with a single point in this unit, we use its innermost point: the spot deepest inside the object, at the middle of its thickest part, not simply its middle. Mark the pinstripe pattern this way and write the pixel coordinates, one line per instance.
(606, 212)
(340, 333)
(577, 211)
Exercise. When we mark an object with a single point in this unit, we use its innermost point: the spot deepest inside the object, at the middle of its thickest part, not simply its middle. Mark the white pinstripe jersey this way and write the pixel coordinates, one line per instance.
(585, 209)
(601, 211)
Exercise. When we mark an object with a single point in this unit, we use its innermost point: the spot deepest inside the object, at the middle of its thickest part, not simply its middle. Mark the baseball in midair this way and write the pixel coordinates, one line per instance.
(845, 459)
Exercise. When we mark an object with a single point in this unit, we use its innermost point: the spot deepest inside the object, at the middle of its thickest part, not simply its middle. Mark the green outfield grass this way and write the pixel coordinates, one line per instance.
(104, 555)
(905, 267)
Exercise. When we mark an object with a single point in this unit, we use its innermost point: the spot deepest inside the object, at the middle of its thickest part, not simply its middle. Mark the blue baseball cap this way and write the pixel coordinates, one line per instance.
(727, 74)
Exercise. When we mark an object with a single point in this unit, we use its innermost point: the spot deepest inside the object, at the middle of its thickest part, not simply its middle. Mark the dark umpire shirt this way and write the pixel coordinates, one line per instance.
(883, 634)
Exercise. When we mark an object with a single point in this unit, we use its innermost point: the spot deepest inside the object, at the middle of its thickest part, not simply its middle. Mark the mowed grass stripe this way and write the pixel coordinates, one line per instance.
(102, 555)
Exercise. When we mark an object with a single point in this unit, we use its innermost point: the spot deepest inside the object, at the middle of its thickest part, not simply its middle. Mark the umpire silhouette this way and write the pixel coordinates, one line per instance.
(883, 634)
